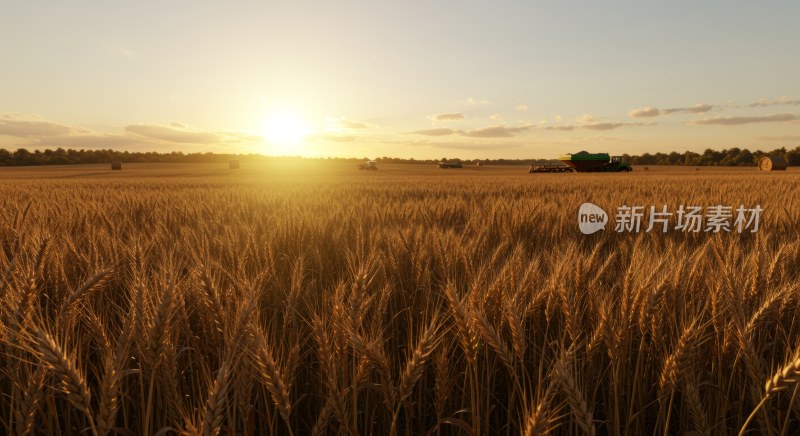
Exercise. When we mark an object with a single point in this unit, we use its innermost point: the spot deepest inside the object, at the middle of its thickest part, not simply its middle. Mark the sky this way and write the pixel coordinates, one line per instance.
(421, 79)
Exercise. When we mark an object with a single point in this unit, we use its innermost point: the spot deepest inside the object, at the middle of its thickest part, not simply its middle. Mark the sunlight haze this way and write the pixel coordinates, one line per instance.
(469, 79)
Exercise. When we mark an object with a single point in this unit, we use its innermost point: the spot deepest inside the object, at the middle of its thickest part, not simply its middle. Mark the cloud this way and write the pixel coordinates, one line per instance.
(31, 126)
(39, 132)
(443, 131)
(448, 117)
(780, 101)
(182, 134)
(645, 112)
(521, 107)
(560, 128)
(174, 134)
(696, 109)
(338, 123)
(455, 145)
(736, 121)
(461, 146)
(604, 126)
(780, 138)
(94, 141)
(500, 131)
(475, 102)
(651, 112)
(351, 124)
(591, 125)
(496, 132)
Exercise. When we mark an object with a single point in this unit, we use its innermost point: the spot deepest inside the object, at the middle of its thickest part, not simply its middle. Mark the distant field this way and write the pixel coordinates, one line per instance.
(304, 170)
(320, 299)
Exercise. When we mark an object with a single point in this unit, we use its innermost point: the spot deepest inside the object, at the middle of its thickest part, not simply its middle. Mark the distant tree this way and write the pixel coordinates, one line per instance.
(793, 156)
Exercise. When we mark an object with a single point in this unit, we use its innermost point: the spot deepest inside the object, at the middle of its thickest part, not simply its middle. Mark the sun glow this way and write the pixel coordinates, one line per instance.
(285, 133)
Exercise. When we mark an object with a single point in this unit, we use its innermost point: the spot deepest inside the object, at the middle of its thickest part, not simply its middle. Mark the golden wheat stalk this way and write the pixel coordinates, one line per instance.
(71, 381)
(681, 357)
(109, 393)
(32, 392)
(493, 339)
(272, 375)
(575, 397)
(216, 402)
(416, 363)
(90, 284)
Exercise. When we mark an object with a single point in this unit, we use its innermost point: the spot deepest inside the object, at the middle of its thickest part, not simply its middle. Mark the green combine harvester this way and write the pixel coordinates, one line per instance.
(585, 162)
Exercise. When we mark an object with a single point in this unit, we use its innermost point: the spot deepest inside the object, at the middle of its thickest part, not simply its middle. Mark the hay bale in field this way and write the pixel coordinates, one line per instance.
(233, 165)
(772, 163)
(116, 165)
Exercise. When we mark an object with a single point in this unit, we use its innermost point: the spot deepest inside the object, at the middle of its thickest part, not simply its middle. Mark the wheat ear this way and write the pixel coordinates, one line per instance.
(215, 403)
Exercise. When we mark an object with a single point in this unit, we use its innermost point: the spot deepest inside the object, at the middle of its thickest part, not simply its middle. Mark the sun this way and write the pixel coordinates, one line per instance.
(285, 132)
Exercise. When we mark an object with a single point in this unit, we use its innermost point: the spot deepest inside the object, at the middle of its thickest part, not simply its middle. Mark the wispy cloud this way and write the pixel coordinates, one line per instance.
(455, 145)
(521, 107)
(735, 121)
(696, 109)
(443, 131)
(496, 132)
(171, 133)
(500, 131)
(351, 124)
(651, 112)
(605, 126)
(566, 128)
(36, 131)
(449, 117)
(475, 102)
(592, 125)
(182, 134)
(645, 112)
(95, 140)
(339, 123)
(30, 126)
(780, 101)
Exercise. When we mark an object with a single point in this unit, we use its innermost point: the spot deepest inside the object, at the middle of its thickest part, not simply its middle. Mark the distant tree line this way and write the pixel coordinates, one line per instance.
(59, 156)
(727, 157)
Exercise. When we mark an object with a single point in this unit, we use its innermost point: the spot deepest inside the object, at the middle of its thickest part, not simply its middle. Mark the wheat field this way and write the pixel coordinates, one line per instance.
(317, 299)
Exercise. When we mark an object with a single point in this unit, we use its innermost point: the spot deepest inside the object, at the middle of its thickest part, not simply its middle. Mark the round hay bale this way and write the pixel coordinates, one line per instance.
(116, 165)
(233, 165)
(772, 163)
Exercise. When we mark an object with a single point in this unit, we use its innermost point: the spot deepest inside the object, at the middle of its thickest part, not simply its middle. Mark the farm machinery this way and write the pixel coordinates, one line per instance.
(444, 164)
(585, 162)
(368, 165)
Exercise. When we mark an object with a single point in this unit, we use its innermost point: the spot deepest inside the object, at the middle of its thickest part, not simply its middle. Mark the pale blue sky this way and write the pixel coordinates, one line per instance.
(361, 78)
